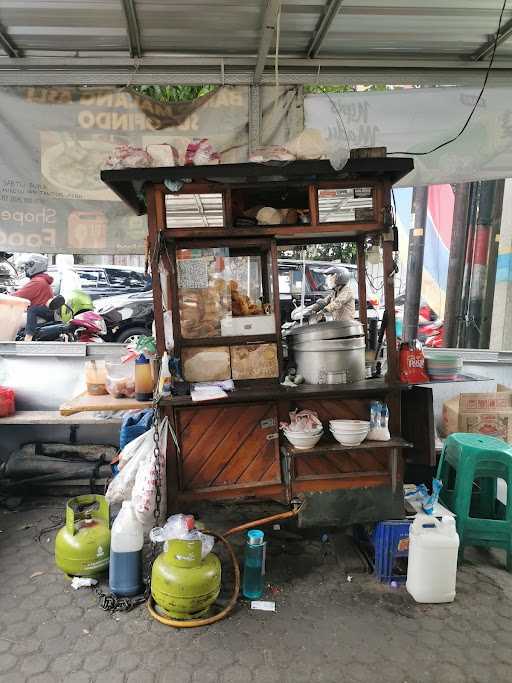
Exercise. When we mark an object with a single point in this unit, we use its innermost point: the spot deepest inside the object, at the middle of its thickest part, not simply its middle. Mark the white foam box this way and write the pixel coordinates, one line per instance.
(249, 324)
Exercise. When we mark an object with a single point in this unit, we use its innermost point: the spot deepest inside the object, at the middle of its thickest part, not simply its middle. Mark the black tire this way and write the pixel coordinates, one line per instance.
(128, 332)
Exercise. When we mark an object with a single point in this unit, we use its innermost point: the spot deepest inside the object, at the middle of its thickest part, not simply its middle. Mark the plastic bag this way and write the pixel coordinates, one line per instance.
(144, 488)
(120, 488)
(134, 425)
(200, 152)
(178, 527)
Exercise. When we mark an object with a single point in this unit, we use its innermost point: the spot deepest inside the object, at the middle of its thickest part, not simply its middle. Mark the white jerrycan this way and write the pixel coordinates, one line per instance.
(432, 566)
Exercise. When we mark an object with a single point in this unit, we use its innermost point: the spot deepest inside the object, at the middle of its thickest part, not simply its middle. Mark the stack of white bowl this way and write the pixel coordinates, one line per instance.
(304, 440)
(349, 432)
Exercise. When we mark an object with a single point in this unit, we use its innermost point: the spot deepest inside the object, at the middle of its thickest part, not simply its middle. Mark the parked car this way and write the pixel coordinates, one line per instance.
(133, 313)
(127, 315)
(105, 281)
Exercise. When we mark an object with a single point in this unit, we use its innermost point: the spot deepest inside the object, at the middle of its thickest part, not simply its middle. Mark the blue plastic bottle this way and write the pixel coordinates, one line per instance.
(254, 565)
(126, 541)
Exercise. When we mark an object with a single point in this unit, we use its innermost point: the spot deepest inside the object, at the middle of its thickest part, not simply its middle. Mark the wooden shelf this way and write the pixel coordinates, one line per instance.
(86, 403)
(327, 445)
(283, 233)
(266, 391)
(53, 417)
(126, 183)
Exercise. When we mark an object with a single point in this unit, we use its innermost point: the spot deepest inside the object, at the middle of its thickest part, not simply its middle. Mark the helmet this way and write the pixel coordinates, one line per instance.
(90, 321)
(340, 276)
(34, 264)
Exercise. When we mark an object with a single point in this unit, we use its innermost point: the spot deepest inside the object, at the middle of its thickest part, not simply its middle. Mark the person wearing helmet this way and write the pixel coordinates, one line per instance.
(340, 303)
(38, 291)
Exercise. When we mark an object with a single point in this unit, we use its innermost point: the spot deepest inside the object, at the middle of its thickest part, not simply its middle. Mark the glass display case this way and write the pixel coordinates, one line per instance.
(224, 292)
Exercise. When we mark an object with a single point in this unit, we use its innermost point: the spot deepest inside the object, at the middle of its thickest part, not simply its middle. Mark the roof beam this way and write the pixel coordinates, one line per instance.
(329, 15)
(132, 27)
(487, 48)
(8, 44)
(268, 29)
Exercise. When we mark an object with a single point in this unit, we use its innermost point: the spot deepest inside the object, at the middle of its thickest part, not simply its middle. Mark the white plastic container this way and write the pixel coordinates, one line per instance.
(432, 566)
(126, 541)
(12, 315)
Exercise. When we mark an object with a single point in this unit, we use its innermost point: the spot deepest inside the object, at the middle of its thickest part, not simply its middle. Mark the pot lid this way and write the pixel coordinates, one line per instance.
(331, 330)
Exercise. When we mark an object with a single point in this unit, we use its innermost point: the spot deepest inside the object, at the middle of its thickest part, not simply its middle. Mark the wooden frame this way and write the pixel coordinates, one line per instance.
(332, 470)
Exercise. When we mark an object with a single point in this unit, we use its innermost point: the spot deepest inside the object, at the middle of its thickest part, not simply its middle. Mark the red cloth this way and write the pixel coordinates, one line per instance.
(38, 291)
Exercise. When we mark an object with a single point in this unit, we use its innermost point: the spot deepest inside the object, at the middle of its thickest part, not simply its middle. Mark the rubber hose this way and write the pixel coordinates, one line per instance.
(263, 521)
(193, 623)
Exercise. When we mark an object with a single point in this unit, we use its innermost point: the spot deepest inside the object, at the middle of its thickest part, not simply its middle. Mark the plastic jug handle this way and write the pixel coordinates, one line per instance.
(422, 522)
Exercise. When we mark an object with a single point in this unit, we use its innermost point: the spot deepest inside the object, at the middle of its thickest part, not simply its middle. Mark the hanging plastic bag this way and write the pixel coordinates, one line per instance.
(144, 488)
(120, 488)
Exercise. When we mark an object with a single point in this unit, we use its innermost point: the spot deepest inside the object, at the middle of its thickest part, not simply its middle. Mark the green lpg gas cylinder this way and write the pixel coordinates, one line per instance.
(183, 585)
(82, 547)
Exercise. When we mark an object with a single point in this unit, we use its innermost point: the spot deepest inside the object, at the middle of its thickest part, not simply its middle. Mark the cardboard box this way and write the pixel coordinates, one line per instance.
(489, 414)
(206, 363)
(254, 361)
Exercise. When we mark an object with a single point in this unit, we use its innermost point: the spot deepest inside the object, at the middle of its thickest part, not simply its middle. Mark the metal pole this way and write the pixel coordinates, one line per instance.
(470, 241)
(479, 271)
(415, 263)
(454, 283)
(492, 262)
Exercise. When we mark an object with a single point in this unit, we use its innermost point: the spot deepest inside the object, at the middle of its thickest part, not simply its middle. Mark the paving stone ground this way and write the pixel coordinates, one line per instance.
(326, 628)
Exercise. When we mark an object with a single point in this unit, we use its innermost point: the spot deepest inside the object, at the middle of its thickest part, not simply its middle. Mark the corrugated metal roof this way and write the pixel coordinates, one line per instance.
(215, 40)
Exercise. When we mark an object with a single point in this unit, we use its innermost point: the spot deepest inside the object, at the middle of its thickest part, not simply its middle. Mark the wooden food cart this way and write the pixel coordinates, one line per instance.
(218, 278)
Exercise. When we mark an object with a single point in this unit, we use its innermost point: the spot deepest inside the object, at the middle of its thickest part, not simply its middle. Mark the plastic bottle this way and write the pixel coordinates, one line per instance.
(432, 565)
(143, 379)
(127, 539)
(254, 565)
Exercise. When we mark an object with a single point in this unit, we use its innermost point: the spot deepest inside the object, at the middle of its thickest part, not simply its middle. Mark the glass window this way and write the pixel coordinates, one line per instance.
(345, 205)
(194, 210)
(222, 293)
(89, 278)
(125, 278)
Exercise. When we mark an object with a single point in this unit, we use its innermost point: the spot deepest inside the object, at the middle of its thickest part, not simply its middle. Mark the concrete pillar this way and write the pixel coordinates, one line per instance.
(501, 325)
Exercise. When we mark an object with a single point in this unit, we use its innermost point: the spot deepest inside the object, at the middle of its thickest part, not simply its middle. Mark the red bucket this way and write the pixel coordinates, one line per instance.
(7, 403)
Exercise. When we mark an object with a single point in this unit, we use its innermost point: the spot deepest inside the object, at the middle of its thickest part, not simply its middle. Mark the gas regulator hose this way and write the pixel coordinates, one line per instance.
(193, 623)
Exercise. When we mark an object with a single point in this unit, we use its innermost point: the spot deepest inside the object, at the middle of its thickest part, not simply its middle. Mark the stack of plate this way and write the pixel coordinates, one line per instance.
(304, 440)
(445, 366)
(349, 432)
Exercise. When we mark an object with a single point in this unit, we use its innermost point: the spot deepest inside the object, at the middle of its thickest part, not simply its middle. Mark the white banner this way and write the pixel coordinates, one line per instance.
(418, 119)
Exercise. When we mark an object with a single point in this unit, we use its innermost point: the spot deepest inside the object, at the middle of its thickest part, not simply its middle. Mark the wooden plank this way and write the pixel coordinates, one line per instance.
(85, 402)
(270, 390)
(277, 302)
(202, 461)
(264, 491)
(359, 481)
(361, 286)
(329, 445)
(154, 201)
(53, 417)
(280, 232)
(242, 425)
(389, 298)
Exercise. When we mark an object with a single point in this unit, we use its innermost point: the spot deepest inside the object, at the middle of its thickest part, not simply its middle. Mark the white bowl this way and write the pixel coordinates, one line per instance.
(349, 439)
(303, 440)
(349, 424)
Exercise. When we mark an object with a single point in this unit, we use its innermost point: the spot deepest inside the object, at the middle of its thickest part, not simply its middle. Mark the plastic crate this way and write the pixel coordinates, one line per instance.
(390, 540)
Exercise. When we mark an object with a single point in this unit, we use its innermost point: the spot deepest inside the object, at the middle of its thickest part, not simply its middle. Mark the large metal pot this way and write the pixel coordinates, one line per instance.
(329, 347)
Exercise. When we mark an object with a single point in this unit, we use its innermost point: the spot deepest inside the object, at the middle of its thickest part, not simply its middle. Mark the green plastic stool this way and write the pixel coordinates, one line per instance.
(469, 468)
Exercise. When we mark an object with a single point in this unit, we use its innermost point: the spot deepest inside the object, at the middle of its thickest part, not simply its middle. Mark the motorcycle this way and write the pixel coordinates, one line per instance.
(435, 334)
(84, 326)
